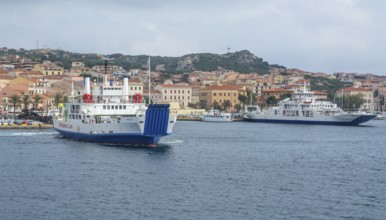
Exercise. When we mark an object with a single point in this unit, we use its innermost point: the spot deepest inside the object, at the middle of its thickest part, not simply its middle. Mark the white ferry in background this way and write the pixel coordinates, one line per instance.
(216, 116)
(303, 108)
(108, 114)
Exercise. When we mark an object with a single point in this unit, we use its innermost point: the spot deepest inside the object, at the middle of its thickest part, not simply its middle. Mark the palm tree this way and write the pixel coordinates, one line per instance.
(26, 101)
(36, 101)
(65, 99)
(227, 104)
(15, 101)
(57, 99)
(216, 105)
(243, 99)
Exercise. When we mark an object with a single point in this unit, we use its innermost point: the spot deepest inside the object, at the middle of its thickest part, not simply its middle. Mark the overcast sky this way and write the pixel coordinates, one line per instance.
(314, 35)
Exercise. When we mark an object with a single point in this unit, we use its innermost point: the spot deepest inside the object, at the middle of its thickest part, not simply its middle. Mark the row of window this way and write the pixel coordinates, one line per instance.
(295, 113)
(175, 91)
(112, 107)
(75, 116)
(221, 94)
(220, 101)
(112, 88)
(119, 88)
(175, 97)
(52, 73)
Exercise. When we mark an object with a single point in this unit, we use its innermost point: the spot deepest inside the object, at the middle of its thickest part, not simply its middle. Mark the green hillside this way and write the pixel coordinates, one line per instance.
(242, 61)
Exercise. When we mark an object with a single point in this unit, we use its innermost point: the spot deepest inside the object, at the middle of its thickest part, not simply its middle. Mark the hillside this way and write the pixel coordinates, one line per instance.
(242, 61)
(326, 85)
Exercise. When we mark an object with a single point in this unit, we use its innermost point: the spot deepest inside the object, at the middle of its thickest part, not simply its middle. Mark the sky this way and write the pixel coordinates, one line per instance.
(313, 35)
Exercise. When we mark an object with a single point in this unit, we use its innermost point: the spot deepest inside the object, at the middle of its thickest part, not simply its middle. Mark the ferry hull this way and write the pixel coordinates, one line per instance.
(118, 139)
(359, 120)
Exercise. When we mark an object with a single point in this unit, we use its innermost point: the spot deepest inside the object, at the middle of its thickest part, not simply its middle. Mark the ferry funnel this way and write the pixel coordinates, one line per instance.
(125, 89)
(87, 85)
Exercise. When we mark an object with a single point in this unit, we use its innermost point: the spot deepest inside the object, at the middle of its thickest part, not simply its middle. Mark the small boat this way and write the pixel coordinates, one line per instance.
(214, 115)
(303, 108)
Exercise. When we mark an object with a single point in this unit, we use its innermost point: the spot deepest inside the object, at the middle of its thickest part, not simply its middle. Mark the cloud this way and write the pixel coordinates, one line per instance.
(315, 35)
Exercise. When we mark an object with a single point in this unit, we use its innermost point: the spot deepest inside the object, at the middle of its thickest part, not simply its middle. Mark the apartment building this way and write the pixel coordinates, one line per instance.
(220, 94)
(180, 93)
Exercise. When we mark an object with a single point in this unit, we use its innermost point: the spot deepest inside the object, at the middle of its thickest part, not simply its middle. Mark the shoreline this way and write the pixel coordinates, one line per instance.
(40, 126)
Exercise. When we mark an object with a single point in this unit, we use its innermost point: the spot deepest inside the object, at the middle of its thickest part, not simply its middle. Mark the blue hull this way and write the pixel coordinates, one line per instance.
(357, 121)
(124, 139)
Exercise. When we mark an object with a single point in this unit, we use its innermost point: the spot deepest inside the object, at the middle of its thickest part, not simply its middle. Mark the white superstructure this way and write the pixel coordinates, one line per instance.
(216, 116)
(303, 108)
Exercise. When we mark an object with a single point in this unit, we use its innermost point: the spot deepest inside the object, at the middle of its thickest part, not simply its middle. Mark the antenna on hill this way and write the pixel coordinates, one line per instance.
(228, 49)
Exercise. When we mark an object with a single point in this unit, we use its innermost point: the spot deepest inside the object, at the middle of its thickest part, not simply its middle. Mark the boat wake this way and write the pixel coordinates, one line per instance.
(176, 141)
(25, 134)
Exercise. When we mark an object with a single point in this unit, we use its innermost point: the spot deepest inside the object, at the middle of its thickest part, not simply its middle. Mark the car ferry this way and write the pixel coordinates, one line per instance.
(109, 114)
(303, 108)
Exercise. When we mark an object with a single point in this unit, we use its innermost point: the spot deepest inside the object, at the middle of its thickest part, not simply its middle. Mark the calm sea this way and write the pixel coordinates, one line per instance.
(204, 170)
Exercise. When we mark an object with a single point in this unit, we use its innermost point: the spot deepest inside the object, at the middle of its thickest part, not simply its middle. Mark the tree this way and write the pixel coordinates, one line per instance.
(191, 105)
(26, 101)
(36, 100)
(238, 107)
(15, 101)
(203, 104)
(251, 98)
(353, 102)
(243, 99)
(65, 99)
(227, 104)
(216, 105)
(58, 98)
(284, 96)
(271, 100)
(185, 77)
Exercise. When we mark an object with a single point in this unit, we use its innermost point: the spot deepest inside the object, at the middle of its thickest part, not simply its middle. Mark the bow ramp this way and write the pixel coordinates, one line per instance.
(157, 119)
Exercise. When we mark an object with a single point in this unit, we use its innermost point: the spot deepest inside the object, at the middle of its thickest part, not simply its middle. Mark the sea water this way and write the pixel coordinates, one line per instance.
(204, 170)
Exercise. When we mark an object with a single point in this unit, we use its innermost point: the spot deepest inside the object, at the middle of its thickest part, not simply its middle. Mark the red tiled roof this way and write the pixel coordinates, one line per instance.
(356, 89)
(174, 86)
(6, 77)
(32, 73)
(222, 88)
(135, 80)
(3, 71)
(316, 92)
(276, 90)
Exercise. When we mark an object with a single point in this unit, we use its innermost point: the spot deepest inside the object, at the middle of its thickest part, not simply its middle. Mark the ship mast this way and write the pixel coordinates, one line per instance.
(72, 92)
(149, 81)
(106, 83)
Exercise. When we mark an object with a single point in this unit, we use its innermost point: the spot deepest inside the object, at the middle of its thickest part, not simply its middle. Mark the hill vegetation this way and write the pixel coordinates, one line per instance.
(325, 84)
(242, 61)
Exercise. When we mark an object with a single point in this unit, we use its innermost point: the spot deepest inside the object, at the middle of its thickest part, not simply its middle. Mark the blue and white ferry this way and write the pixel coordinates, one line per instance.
(108, 114)
(303, 108)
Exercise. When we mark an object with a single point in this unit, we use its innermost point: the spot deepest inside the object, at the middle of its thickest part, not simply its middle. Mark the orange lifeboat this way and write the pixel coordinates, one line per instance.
(137, 98)
(87, 98)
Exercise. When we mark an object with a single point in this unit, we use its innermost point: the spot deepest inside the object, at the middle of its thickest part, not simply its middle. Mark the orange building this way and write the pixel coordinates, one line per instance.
(220, 94)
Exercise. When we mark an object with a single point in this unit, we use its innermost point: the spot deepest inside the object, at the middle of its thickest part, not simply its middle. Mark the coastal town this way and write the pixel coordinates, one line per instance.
(39, 86)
